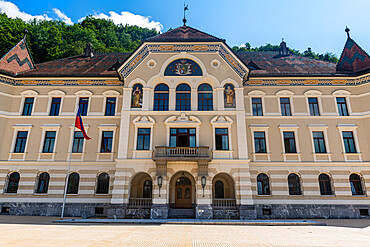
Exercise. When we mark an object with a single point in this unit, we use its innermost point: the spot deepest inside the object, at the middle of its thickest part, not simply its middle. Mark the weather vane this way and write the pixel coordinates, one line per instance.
(186, 7)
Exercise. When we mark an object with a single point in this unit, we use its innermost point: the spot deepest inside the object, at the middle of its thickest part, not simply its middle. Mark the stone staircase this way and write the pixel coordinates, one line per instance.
(180, 213)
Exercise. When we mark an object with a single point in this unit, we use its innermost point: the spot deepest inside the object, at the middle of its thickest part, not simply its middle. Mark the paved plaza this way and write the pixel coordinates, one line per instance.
(41, 231)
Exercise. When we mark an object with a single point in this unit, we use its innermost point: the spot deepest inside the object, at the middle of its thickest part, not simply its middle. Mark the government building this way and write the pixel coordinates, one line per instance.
(183, 127)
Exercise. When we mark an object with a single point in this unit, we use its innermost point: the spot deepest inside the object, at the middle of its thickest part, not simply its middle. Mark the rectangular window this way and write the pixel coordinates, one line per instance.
(49, 142)
(222, 139)
(78, 142)
(83, 105)
(342, 106)
(143, 139)
(319, 141)
(182, 137)
(106, 142)
(20, 143)
(257, 107)
(285, 107)
(55, 106)
(289, 142)
(27, 108)
(110, 107)
(349, 142)
(314, 106)
(260, 142)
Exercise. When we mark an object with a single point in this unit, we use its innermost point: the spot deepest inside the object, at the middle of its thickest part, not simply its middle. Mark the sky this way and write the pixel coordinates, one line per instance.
(318, 24)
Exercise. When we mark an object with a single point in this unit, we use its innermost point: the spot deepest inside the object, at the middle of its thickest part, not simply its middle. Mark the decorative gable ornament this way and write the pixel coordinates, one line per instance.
(183, 119)
(222, 120)
(144, 120)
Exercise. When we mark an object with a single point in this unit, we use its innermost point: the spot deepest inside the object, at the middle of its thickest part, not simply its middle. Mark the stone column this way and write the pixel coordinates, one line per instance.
(194, 99)
(126, 104)
(203, 208)
(159, 208)
(172, 100)
(146, 99)
(220, 99)
(239, 99)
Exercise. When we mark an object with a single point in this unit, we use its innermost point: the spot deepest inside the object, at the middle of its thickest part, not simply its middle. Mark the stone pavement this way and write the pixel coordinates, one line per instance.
(41, 231)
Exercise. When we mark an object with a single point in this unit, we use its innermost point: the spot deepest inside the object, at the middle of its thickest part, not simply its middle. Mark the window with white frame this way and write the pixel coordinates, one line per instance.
(106, 141)
(289, 136)
(222, 138)
(143, 134)
(20, 141)
(260, 143)
(221, 133)
(319, 140)
(314, 106)
(28, 102)
(342, 100)
(48, 140)
(83, 102)
(350, 144)
(257, 102)
(286, 102)
(110, 103)
(55, 102)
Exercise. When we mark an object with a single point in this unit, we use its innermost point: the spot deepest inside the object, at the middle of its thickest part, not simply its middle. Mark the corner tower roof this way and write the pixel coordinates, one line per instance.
(353, 58)
(184, 34)
(18, 59)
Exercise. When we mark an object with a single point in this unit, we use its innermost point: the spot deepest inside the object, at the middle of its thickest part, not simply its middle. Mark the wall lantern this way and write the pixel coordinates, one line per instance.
(203, 181)
(160, 182)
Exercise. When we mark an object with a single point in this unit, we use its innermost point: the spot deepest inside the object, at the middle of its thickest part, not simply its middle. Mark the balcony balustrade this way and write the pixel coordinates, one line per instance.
(181, 153)
(223, 203)
(140, 202)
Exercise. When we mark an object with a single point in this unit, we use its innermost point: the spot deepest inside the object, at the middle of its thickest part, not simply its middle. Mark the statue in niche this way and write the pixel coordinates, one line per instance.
(229, 96)
(137, 96)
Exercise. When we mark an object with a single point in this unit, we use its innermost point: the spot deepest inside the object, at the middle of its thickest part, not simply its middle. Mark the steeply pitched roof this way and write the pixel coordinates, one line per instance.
(101, 64)
(353, 58)
(184, 34)
(17, 60)
(270, 64)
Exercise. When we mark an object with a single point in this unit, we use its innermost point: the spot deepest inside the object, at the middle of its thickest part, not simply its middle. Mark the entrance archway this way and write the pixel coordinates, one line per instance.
(182, 190)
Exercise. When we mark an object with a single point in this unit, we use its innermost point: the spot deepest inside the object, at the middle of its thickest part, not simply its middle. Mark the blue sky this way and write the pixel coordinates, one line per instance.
(318, 24)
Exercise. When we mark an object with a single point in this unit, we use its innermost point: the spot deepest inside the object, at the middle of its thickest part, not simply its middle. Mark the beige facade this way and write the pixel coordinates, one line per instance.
(238, 192)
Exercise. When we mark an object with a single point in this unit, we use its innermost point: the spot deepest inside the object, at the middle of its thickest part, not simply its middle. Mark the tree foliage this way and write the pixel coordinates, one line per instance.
(50, 40)
(328, 56)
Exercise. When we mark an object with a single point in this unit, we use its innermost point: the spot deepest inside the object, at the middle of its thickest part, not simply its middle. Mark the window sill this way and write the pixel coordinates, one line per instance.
(46, 153)
(17, 153)
(261, 153)
(322, 154)
(328, 195)
(40, 194)
(101, 194)
(264, 195)
(292, 153)
(359, 195)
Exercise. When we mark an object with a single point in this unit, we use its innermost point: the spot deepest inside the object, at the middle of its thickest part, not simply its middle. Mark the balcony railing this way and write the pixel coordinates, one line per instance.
(140, 202)
(223, 203)
(182, 153)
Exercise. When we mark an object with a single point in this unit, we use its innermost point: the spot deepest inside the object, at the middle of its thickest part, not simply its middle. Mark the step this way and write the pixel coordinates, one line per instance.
(179, 213)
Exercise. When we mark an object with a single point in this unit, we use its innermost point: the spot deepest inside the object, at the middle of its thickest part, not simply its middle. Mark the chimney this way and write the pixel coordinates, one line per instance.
(88, 52)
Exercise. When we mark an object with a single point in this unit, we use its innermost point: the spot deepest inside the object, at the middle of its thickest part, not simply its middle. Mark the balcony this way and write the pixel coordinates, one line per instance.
(182, 154)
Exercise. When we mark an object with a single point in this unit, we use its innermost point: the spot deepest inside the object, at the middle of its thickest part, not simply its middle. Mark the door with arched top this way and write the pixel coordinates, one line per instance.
(183, 193)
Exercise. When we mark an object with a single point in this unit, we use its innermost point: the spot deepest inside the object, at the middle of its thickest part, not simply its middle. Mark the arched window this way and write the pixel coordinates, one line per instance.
(43, 183)
(205, 97)
(294, 184)
(13, 182)
(356, 184)
(263, 185)
(161, 97)
(73, 181)
(147, 189)
(102, 186)
(183, 102)
(325, 184)
(219, 189)
(137, 96)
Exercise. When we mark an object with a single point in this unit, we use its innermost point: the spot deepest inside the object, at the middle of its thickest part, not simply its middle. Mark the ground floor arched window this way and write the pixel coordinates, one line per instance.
(294, 184)
(73, 182)
(263, 184)
(43, 183)
(13, 182)
(356, 184)
(325, 184)
(102, 186)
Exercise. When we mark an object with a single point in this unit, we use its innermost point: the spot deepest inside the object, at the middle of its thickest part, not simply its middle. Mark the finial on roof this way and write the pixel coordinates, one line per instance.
(186, 7)
(88, 52)
(25, 34)
(347, 31)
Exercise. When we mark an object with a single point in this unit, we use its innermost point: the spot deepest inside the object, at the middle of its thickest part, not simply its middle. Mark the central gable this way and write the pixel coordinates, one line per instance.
(183, 40)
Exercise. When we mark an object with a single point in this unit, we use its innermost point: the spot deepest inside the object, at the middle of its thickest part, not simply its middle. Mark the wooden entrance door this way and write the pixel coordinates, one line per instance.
(183, 193)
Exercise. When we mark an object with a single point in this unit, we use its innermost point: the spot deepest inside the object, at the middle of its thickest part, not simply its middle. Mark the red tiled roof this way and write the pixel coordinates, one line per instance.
(269, 64)
(353, 58)
(98, 65)
(184, 34)
(17, 60)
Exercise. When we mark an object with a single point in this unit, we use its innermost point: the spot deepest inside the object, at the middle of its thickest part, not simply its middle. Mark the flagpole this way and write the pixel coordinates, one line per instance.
(69, 169)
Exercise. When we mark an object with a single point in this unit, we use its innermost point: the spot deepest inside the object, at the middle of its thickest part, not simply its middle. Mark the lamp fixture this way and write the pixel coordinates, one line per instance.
(160, 182)
(203, 181)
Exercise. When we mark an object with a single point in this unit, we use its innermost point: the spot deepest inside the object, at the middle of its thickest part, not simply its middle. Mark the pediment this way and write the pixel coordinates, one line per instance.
(183, 119)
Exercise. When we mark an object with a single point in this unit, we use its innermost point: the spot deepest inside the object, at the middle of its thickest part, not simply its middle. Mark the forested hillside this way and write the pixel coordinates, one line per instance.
(328, 56)
(50, 40)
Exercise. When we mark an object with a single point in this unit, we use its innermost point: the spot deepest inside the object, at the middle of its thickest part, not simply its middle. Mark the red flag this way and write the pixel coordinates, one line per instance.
(79, 125)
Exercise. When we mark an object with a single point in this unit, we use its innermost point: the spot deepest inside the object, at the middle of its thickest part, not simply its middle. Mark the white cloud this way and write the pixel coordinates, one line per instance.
(12, 10)
(129, 18)
(63, 17)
